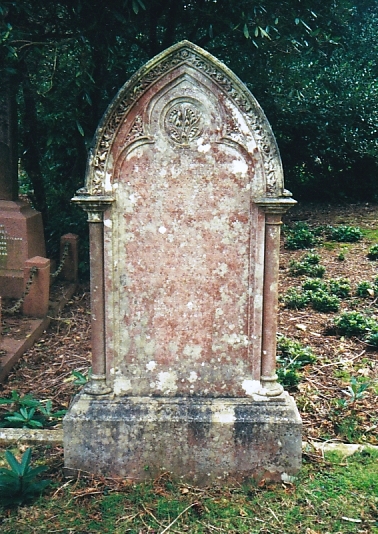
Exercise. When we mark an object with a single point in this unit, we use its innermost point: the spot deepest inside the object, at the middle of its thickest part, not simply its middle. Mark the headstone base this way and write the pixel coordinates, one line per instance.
(21, 238)
(200, 441)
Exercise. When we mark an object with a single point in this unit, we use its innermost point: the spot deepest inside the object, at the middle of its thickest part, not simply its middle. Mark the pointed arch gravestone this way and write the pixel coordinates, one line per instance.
(184, 195)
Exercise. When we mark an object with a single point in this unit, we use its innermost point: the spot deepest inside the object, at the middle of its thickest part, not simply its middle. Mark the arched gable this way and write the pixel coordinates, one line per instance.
(246, 124)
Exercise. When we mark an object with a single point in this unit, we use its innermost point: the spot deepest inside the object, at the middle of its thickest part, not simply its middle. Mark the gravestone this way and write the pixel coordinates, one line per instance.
(184, 194)
(21, 228)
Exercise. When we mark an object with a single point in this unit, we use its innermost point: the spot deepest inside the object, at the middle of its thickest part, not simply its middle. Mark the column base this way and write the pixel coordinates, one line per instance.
(200, 441)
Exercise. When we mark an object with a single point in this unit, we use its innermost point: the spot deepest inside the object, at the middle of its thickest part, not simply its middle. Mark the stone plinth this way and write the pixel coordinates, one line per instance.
(21, 238)
(196, 440)
(184, 194)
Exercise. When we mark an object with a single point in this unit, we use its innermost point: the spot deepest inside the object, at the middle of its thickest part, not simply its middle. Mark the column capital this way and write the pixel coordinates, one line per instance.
(94, 205)
(276, 206)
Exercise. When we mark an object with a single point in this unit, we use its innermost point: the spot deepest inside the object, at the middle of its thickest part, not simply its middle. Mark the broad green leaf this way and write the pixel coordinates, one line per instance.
(15, 466)
(25, 461)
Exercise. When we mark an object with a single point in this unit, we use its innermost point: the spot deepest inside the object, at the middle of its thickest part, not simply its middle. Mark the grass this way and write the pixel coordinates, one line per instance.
(331, 495)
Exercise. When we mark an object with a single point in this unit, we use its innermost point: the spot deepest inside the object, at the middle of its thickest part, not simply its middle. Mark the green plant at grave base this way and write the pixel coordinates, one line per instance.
(308, 265)
(27, 412)
(344, 234)
(356, 390)
(339, 287)
(365, 289)
(373, 252)
(80, 378)
(18, 484)
(299, 236)
(354, 323)
(345, 416)
(291, 358)
(323, 302)
(295, 299)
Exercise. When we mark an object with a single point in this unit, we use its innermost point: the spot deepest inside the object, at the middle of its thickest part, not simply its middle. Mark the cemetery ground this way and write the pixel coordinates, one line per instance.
(334, 382)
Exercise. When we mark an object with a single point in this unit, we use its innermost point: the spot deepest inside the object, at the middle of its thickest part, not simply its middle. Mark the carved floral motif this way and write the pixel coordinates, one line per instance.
(183, 123)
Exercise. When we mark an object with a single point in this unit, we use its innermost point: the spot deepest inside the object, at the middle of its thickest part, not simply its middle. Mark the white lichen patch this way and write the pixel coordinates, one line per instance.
(150, 366)
(201, 147)
(192, 351)
(108, 184)
(162, 229)
(122, 385)
(223, 414)
(251, 387)
(167, 382)
(239, 166)
(193, 376)
(236, 340)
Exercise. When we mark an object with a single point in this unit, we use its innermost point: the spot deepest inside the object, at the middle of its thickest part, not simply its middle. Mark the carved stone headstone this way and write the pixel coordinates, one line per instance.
(184, 194)
(21, 229)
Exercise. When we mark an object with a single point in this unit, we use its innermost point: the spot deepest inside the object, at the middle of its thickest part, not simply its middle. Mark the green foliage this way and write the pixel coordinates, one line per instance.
(356, 389)
(372, 338)
(18, 484)
(308, 265)
(324, 302)
(291, 358)
(344, 234)
(353, 323)
(314, 285)
(295, 299)
(80, 378)
(364, 289)
(299, 237)
(339, 287)
(373, 252)
(27, 412)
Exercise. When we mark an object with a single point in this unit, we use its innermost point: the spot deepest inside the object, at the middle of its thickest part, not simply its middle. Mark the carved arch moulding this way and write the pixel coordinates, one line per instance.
(164, 64)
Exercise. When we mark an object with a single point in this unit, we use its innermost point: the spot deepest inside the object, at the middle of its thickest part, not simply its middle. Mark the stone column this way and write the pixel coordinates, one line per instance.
(95, 207)
(274, 208)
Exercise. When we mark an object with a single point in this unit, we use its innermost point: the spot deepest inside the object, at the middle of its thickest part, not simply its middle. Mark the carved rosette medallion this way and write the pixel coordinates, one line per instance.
(182, 123)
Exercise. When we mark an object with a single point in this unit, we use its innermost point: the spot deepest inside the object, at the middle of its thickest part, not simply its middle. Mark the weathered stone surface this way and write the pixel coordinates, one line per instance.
(21, 238)
(184, 193)
(198, 440)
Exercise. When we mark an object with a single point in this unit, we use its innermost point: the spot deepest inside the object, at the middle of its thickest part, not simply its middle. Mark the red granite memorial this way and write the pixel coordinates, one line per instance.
(21, 228)
(184, 194)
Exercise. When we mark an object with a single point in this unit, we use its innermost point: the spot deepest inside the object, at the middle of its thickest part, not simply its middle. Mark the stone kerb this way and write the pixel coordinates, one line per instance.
(36, 302)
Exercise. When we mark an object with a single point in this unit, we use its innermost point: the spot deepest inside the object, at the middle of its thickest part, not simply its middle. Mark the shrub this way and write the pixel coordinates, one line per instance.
(323, 302)
(344, 234)
(312, 284)
(364, 289)
(295, 299)
(339, 287)
(299, 237)
(354, 323)
(373, 252)
(309, 268)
